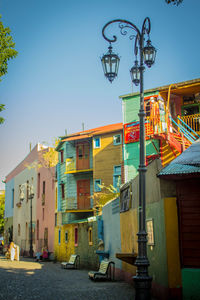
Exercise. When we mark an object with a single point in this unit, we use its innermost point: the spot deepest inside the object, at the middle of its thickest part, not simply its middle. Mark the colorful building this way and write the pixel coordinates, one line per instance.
(29, 173)
(183, 221)
(172, 123)
(87, 160)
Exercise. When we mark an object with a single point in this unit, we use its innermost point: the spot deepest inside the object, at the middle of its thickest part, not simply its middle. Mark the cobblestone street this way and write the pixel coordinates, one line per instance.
(28, 280)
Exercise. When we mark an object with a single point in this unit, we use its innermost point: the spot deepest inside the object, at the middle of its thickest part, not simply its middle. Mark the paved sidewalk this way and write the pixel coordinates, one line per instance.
(27, 280)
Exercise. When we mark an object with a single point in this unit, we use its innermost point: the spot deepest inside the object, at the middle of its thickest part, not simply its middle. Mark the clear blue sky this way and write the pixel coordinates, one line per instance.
(57, 83)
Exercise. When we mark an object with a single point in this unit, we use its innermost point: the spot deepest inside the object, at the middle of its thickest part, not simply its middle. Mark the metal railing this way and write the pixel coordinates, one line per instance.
(186, 133)
(155, 126)
(184, 127)
(70, 165)
(193, 121)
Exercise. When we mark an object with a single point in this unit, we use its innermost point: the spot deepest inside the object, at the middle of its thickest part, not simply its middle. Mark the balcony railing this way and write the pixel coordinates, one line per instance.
(193, 121)
(72, 168)
(70, 165)
(155, 126)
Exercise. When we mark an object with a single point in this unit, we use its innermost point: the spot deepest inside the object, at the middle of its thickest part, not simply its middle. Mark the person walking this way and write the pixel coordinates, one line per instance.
(12, 251)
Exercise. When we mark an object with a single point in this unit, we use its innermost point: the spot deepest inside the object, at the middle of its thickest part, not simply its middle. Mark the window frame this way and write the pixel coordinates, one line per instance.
(66, 240)
(94, 142)
(117, 174)
(90, 242)
(76, 236)
(62, 190)
(95, 183)
(59, 236)
(117, 143)
(61, 156)
(13, 197)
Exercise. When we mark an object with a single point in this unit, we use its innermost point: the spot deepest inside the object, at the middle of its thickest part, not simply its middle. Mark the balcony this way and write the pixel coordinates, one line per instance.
(72, 169)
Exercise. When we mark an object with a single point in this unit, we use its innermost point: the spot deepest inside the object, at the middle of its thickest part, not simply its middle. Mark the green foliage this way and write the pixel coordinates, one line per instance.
(7, 52)
(107, 194)
(2, 208)
(1, 108)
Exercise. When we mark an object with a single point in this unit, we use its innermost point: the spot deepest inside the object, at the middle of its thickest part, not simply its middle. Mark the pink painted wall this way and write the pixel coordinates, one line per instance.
(31, 157)
(45, 213)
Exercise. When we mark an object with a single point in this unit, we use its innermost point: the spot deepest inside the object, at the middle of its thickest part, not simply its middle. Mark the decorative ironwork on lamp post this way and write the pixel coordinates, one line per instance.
(110, 63)
(175, 2)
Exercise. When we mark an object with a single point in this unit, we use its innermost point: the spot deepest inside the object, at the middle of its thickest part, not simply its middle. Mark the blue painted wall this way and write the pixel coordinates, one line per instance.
(8, 198)
(111, 230)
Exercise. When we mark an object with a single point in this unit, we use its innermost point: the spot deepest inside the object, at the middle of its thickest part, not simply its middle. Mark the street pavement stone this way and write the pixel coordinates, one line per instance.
(28, 280)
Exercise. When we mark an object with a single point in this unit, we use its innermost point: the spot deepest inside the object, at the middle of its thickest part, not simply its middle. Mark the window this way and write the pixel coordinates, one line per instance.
(27, 190)
(80, 151)
(38, 184)
(76, 236)
(43, 192)
(117, 139)
(97, 182)
(66, 236)
(55, 219)
(90, 236)
(43, 188)
(43, 213)
(59, 236)
(46, 237)
(63, 190)
(97, 142)
(61, 156)
(21, 193)
(13, 197)
(117, 177)
(19, 230)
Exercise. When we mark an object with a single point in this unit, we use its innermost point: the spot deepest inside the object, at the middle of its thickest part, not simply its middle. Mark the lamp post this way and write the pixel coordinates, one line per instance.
(110, 62)
(31, 195)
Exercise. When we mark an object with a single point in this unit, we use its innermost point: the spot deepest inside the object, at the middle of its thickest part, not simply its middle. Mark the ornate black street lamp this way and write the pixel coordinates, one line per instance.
(31, 196)
(175, 2)
(147, 55)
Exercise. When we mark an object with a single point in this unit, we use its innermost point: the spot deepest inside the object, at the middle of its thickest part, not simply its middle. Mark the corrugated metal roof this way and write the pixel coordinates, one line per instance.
(186, 163)
(173, 169)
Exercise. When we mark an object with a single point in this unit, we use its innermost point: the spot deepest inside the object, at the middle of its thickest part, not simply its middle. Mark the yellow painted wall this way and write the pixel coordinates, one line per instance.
(106, 157)
(64, 250)
(129, 229)
(172, 242)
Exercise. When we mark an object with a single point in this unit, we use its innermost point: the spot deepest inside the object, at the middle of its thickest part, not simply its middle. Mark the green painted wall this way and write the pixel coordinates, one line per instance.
(157, 254)
(131, 106)
(88, 257)
(131, 157)
(191, 284)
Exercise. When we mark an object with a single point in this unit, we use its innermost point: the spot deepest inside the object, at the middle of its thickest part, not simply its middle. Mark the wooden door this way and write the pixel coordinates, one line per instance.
(188, 195)
(83, 194)
(82, 156)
